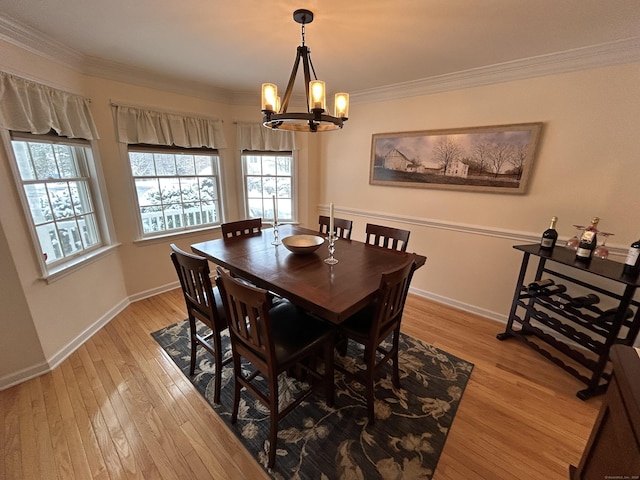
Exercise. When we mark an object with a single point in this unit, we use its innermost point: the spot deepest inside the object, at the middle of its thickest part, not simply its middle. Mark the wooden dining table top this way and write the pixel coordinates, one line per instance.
(333, 292)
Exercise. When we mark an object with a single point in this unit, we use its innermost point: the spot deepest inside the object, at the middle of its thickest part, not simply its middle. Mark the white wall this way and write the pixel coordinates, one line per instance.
(588, 165)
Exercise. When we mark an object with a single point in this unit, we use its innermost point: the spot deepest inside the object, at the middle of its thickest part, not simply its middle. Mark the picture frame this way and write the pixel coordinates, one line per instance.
(497, 158)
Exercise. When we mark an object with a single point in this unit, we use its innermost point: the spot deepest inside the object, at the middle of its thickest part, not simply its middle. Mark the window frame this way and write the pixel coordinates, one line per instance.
(163, 149)
(293, 177)
(97, 194)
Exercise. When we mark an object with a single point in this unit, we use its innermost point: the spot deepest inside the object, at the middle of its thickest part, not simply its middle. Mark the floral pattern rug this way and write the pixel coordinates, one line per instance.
(320, 442)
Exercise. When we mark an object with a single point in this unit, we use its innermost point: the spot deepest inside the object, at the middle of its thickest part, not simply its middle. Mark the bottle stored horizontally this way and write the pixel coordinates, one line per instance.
(632, 262)
(608, 316)
(543, 287)
(584, 300)
(588, 241)
(540, 284)
(549, 236)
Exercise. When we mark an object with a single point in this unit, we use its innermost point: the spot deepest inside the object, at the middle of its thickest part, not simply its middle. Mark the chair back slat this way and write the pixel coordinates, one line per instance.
(391, 298)
(242, 228)
(194, 275)
(341, 226)
(387, 237)
(248, 316)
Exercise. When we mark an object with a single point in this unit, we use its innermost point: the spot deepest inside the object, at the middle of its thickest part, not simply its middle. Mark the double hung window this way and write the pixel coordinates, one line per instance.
(177, 189)
(59, 184)
(269, 174)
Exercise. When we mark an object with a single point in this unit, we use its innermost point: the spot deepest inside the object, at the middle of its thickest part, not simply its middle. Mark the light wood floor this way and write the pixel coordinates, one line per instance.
(118, 408)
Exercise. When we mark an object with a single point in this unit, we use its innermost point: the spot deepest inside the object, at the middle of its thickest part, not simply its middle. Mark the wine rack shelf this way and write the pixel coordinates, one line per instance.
(578, 340)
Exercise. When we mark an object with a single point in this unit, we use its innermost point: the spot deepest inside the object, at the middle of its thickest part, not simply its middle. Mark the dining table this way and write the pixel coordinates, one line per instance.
(333, 292)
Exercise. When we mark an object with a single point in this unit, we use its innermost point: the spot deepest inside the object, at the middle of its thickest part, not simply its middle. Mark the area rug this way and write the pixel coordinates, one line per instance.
(320, 442)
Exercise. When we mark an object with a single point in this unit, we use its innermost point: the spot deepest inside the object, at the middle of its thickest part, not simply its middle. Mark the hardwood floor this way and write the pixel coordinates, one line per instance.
(118, 408)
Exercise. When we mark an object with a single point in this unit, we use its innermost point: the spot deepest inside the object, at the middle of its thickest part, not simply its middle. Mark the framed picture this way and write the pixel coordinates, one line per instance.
(496, 158)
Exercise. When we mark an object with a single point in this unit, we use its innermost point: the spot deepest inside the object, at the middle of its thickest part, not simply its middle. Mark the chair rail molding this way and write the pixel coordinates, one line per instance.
(487, 231)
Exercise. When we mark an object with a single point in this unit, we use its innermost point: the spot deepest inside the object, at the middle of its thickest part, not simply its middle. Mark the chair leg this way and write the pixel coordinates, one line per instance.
(342, 343)
(218, 378)
(370, 374)
(395, 365)
(328, 374)
(273, 420)
(194, 346)
(237, 372)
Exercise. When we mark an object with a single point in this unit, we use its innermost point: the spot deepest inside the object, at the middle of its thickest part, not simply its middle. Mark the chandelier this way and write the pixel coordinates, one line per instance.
(315, 119)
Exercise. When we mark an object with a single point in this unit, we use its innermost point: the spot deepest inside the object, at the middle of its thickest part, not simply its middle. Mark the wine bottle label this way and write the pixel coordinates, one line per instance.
(584, 252)
(547, 242)
(632, 256)
(588, 237)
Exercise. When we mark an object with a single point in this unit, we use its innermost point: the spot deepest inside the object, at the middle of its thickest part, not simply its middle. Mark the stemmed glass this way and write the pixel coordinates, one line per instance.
(574, 241)
(602, 251)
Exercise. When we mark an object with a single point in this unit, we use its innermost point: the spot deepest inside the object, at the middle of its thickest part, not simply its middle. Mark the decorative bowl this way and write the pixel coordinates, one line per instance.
(302, 244)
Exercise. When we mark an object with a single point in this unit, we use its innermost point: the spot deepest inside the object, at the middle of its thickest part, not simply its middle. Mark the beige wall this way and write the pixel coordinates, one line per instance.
(588, 165)
(62, 313)
(59, 316)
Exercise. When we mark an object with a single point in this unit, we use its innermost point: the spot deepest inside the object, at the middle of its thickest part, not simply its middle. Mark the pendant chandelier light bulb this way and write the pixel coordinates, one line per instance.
(316, 118)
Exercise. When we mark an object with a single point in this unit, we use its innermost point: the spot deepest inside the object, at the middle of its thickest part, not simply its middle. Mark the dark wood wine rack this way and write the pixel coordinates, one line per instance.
(576, 339)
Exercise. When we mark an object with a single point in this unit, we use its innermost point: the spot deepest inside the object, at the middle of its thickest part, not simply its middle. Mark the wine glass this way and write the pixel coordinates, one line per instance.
(602, 251)
(574, 241)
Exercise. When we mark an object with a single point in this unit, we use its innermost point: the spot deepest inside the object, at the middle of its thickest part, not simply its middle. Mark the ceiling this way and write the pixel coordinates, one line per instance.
(356, 45)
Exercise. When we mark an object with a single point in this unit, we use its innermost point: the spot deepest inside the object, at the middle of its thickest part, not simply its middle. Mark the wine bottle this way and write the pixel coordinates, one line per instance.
(547, 291)
(552, 290)
(584, 300)
(549, 236)
(540, 284)
(608, 315)
(632, 262)
(588, 241)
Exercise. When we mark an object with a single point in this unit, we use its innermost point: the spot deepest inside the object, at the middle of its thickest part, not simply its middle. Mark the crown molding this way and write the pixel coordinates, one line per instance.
(595, 56)
(22, 36)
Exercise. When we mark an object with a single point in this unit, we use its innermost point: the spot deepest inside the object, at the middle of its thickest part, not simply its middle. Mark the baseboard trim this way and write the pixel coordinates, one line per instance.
(51, 363)
(450, 302)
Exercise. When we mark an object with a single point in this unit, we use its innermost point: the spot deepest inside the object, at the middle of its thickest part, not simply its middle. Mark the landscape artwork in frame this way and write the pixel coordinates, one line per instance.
(496, 158)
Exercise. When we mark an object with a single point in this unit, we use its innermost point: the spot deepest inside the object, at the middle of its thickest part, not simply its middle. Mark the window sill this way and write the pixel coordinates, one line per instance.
(161, 238)
(76, 264)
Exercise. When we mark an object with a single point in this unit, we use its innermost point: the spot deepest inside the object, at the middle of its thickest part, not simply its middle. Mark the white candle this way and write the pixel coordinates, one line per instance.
(275, 210)
(331, 219)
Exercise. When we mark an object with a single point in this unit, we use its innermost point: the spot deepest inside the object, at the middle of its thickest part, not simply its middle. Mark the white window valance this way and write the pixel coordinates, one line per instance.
(138, 125)
(254, 136)
(27, 106)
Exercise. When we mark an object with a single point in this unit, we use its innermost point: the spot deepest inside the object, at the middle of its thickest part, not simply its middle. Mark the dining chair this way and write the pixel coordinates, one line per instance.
(387, 237)
(342, 226)
(274, 339)
(242, 228)
(372, 326)
(204, 304)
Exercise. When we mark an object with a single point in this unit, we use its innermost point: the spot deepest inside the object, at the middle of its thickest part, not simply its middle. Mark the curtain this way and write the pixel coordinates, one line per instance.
(138, 125)
(256, 137)
(27, 106)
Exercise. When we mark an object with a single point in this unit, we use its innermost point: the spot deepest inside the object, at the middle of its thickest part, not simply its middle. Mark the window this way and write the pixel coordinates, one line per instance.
(266, 175)
(59, 182)
(176, 189)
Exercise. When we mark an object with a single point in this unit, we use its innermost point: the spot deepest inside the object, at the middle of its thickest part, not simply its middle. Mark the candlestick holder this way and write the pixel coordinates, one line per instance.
(332, 248)
(276, 240)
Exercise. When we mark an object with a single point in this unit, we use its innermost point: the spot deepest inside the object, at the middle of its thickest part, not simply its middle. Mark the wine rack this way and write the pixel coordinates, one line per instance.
(578, 340)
